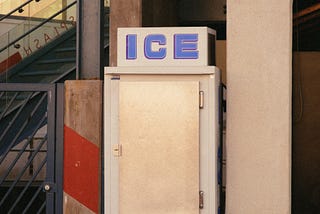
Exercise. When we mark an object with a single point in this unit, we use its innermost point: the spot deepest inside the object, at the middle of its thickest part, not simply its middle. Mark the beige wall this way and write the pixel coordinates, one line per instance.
(259, 106)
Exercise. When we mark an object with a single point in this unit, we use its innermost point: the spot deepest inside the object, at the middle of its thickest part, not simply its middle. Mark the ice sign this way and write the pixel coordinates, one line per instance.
(185, 46)
(166, 46)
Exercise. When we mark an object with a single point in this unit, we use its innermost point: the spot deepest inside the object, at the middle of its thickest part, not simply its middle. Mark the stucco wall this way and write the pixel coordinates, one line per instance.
(259, 106)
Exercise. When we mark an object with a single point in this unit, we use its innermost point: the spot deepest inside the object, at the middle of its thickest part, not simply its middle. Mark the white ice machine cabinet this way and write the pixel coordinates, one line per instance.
(161, 123)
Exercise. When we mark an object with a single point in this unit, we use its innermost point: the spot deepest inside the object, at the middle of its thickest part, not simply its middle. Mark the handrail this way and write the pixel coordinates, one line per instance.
(18, 8)
(38, 26)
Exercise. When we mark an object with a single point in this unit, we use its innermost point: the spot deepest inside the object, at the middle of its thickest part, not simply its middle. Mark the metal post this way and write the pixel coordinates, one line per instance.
(59, 147)
(90, 60)
(49, 183)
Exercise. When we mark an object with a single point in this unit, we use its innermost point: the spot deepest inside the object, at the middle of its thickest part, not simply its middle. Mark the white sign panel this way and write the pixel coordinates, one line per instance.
(173, 46)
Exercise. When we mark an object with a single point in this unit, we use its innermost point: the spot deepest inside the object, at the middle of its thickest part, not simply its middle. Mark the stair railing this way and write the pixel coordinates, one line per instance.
(38, 26)
(19, 8)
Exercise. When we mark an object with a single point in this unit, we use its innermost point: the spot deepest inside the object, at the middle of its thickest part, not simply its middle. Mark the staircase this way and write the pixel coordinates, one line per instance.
(55, 62)
(38, 51)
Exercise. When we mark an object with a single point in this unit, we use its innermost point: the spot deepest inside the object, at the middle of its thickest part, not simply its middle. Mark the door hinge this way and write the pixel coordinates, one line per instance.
(201, 99)
(117, 150)
(201, 193)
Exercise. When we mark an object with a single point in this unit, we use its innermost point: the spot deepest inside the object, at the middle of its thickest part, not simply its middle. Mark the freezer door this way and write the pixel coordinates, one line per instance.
(158, 150)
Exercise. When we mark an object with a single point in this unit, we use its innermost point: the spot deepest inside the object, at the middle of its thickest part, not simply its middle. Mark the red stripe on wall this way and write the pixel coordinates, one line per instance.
(12, 60)
(81, 163)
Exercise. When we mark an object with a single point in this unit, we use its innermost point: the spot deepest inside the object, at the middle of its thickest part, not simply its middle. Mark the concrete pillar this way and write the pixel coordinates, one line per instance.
(82, 142)
(123, 13)
(259, 61)
(159, 13)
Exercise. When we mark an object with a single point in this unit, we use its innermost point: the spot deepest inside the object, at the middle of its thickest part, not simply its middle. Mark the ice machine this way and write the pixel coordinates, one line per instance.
(161, 123)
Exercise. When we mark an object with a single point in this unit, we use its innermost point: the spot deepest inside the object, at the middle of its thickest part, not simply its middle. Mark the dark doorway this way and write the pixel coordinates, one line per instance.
(306, 111)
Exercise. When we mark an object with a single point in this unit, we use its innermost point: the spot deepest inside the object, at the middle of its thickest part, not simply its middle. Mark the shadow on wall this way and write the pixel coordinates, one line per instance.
(306, 135)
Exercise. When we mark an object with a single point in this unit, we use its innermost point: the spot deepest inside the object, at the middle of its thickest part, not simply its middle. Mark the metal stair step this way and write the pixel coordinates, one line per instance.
(40, 72)
(65, 49)
(52, 61)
